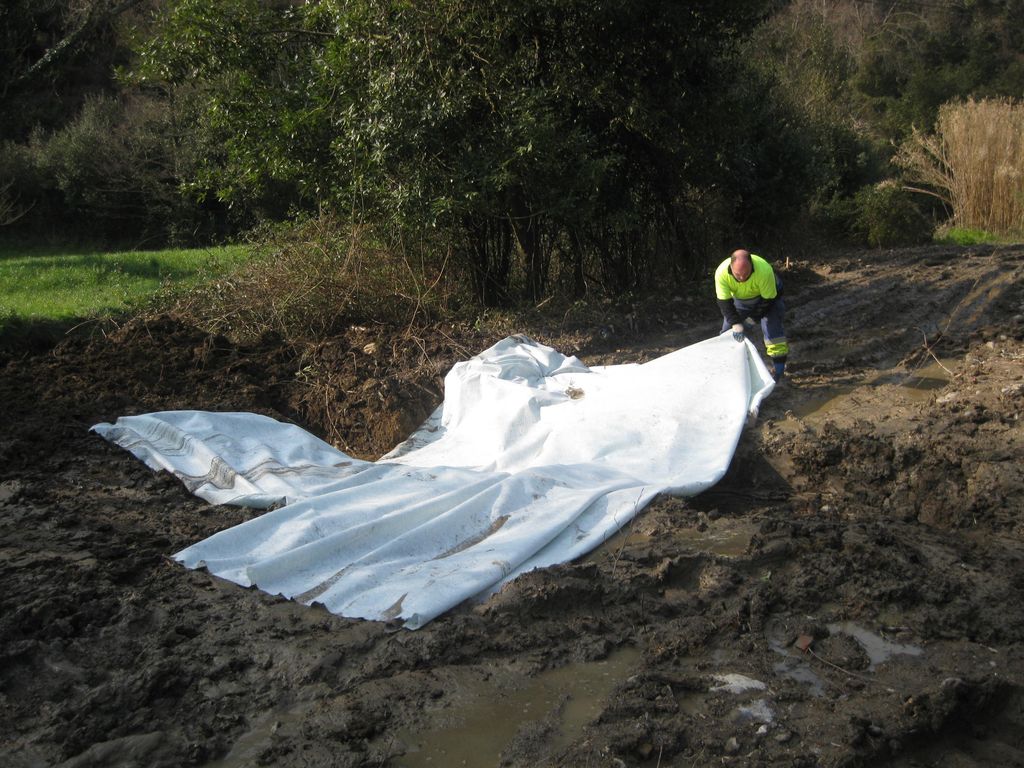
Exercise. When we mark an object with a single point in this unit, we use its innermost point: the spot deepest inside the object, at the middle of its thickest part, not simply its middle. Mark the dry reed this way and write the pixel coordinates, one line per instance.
(974, 163)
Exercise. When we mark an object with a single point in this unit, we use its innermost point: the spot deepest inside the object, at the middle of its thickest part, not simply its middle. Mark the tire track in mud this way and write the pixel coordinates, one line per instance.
(879, 319)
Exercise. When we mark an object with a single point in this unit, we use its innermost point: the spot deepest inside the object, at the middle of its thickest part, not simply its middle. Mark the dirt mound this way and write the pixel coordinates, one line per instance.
(852, 592)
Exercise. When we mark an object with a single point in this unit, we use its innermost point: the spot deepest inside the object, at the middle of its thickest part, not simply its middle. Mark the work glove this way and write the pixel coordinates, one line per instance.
(737, 331)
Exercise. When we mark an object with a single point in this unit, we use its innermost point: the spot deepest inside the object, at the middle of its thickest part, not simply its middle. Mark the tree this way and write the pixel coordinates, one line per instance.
(52, 54)
(921, 56)
(519, 130)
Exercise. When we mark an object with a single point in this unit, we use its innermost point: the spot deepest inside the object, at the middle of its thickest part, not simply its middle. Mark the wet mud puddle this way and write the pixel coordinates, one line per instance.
(878, 648)
(919, 384)
(728, 538)
(489, 715)
(915, 386)
(797, 665)
(725, 537)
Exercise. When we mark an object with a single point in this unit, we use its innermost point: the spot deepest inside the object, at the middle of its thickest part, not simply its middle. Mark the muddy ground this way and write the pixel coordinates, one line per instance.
(852, 593)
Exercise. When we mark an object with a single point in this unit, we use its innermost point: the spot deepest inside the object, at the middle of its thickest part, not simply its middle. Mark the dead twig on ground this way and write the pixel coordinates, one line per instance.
(941, 334)
(928, 349)
(464, 350)
(632, 522)
(847, 672)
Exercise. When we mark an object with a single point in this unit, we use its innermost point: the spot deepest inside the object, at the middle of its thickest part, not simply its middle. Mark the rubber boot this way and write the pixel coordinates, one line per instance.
(780, 369)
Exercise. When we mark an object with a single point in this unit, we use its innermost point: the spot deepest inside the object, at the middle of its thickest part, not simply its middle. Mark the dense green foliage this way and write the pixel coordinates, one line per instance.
(531, 134)
(111, 174)
(928, 55)
(54, 54)
(83, 157)
(869, 73)
(537, 146)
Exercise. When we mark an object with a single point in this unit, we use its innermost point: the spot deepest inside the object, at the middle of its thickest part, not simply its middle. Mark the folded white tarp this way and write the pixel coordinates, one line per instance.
(533, 459)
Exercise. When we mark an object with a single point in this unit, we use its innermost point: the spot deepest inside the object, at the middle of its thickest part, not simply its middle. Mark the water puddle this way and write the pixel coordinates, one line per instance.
(692, 704)
(725, 537)
(923, 386)
(924, 381)
(918, 385)
(624, 539)
(921, 383)
(490, 715)
(729, 538)
(795, 668)
(801, 672)
(823, 404)
(759, 711)
(877, 647)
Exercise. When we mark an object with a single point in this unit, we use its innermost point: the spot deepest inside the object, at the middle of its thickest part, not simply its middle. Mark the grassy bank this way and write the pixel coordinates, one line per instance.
(968, 236)
(47, 288)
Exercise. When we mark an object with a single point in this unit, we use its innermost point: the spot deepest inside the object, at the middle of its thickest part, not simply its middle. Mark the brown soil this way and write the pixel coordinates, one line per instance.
(862, 561)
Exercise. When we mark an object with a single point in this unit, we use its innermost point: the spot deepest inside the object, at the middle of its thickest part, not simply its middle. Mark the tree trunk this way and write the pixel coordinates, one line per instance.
(490, 259)
(526, 230)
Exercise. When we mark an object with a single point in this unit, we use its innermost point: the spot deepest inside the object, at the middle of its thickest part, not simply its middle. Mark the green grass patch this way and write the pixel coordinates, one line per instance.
(57, 285)
(967, 236)
(45, 291)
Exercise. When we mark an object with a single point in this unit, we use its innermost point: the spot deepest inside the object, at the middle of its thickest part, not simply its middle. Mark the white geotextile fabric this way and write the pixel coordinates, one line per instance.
(533, 459)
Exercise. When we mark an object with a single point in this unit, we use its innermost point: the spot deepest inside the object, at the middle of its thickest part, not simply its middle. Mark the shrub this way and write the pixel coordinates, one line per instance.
(887, 216)
(312, 278)
(112, 168)
(23, 188)
(534, 134)
(835, 219)
(112, 175)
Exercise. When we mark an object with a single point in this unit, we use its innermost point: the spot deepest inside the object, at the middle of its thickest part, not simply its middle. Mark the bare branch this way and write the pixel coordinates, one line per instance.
(10, 210)
(99, 13)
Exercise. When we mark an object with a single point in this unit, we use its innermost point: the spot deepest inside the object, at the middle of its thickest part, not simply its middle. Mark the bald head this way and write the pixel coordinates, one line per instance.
(740, 264)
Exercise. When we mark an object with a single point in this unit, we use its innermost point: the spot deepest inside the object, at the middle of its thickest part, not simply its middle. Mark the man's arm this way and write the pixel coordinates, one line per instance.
(729, 312)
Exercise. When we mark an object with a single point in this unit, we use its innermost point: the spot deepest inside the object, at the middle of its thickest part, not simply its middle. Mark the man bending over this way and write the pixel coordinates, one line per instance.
(747, 288)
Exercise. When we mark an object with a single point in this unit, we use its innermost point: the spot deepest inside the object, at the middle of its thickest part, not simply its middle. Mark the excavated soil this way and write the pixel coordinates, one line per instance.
(851, 593)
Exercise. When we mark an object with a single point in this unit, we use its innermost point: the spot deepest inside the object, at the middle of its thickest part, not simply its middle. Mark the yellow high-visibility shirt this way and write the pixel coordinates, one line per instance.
(760, 283)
